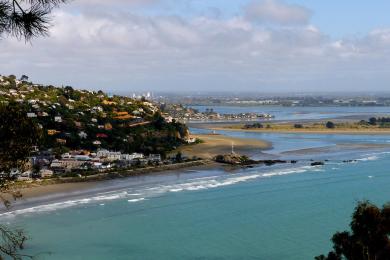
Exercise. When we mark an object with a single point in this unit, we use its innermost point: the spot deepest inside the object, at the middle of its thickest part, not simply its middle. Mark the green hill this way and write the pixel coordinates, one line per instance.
(82, 119)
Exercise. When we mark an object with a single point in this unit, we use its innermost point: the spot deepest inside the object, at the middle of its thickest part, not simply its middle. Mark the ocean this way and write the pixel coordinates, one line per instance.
(279, 212)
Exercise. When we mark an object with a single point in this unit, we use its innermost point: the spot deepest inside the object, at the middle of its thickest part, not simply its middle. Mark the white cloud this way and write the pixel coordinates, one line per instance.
(274, 11)
(127, 51)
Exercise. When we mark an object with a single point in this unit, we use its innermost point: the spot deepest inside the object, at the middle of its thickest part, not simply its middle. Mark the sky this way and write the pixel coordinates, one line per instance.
(210, 45)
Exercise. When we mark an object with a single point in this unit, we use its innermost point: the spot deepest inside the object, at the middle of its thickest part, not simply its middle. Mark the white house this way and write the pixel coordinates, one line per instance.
(83, 135)
(133, 156)
(108, 155)
(46, 173)
(25, 176)
(31, 115)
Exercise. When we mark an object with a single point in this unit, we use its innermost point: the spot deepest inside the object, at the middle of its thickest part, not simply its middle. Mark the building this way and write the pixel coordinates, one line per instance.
(108, 155)
(83, 135)
(61, 141)
(131, 157)
(155, 158)
(67, 164)
(46, 173)
(31, 115)
(58, 119)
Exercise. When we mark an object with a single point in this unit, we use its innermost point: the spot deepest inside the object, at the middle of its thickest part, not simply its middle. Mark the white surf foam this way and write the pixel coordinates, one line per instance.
(136, 200)
(141, 194)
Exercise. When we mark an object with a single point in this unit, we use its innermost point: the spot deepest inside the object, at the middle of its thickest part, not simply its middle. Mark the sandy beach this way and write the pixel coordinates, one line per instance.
(67, 187)
(214, 144)
(211, 146)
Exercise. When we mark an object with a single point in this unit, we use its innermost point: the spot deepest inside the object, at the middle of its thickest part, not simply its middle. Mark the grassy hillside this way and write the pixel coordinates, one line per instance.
(82, 119)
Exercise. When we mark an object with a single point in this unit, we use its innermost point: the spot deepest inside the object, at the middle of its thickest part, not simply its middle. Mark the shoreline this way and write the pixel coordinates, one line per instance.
(217, 144)
(307, 131)
(52, 187)
(211, 146)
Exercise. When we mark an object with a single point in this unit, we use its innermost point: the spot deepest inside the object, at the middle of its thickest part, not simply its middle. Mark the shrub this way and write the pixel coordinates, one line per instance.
(330, 125)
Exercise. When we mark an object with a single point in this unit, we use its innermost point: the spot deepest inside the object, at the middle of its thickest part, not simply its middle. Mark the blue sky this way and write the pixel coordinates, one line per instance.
(251, 45)
(335, 17)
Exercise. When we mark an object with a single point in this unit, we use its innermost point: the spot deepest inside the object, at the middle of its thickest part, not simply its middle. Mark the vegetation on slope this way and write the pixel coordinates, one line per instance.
(82, 119)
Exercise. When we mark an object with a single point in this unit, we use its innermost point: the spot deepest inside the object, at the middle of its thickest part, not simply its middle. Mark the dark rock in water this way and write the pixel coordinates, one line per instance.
(317, 163)
(271, 162)
(349, 161)
(294, 161)
(234, 159)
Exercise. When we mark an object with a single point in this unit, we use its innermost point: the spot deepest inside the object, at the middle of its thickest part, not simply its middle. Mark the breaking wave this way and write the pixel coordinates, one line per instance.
(142, 194)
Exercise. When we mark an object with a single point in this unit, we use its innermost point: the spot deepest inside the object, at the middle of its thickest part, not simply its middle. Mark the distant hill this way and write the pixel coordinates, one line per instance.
(82, 119)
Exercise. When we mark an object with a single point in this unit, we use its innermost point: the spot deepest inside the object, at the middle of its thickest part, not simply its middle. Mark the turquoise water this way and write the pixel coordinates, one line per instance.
(282, 212)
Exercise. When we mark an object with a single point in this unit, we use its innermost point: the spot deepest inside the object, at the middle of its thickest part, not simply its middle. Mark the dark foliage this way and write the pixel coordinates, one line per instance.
(26, 18)
(369, 236)
(18, 135)
(330, 125)
(254, 126)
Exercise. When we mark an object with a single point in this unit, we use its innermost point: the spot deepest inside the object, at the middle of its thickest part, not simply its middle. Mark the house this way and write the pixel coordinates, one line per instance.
(31, 115)
(25, 176)
(108, 126)
(190, 140)
(83, 135)
(101, 135)
(107, 102)
(67, 164)
(168, 119)
(43, 114)
(108, 155)
(131, 157)
(155, 158)
(66, 156)
(61, 141)
(82, 158)
(52, 132)
(96, 142)
(58, 119)
(123, 116)
(46, 173)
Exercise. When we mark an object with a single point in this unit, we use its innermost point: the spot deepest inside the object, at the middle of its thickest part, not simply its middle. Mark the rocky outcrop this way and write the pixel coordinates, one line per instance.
(233, 159)
(317, 164)
(236, 159)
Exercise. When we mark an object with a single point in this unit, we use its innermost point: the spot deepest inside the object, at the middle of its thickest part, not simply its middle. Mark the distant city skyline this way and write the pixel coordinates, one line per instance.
(210, 45)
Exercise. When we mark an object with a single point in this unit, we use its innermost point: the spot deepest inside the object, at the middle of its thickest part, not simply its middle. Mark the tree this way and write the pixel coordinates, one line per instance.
(21, 19)
(26, 18)
(372, 121)
(369, 238)
(18, 135)
(179, 157)
(330, 125)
